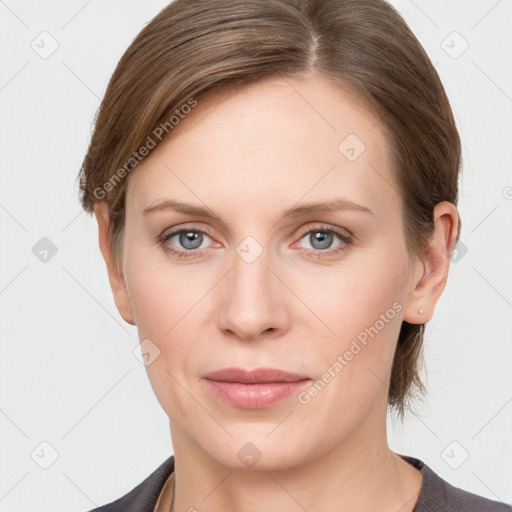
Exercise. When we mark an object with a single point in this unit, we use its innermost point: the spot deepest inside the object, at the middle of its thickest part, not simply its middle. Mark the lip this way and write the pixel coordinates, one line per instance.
(254, 389)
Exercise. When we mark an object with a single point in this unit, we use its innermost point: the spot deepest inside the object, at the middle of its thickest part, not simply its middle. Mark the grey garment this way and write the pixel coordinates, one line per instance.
(436, 494)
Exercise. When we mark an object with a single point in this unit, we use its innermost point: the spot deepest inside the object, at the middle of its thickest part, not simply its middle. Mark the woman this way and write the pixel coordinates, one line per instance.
(275, 186)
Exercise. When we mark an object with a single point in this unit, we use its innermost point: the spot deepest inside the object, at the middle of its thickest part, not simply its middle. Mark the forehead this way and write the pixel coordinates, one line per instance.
(281, 140)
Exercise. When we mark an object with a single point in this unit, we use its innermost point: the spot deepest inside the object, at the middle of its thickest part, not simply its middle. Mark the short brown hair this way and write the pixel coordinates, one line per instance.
(194, 47)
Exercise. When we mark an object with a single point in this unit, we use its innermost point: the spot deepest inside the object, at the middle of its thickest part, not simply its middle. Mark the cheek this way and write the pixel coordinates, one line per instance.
(351, 297)
(160, 291)
(166, 306)
(173, 306)
(153, 303)
(361, 304)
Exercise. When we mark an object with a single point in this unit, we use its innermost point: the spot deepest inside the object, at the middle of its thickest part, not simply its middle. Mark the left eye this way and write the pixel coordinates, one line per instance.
(321, 239)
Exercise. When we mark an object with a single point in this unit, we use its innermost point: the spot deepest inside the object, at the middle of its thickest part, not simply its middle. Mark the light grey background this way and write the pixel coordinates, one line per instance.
(68, 374)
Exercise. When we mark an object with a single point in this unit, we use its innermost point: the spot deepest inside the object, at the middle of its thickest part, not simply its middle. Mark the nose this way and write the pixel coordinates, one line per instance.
(253, 301)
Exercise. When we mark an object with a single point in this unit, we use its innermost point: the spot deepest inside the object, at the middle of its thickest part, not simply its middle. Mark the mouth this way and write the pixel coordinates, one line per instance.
(254, 389)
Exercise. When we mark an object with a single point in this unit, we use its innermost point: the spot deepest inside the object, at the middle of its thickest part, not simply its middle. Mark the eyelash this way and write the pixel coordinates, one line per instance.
(347, 241)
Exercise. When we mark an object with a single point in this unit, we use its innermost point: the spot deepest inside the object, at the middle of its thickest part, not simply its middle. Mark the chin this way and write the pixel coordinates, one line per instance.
(257, 451)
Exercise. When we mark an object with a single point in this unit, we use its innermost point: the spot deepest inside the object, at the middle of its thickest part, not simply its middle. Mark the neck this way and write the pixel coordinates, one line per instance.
(359, 473)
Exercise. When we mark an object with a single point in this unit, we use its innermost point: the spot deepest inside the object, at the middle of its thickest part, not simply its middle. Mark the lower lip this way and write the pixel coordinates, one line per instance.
(254, 396)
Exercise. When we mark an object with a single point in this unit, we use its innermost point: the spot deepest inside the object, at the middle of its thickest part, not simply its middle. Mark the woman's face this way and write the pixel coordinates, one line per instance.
(252, 288)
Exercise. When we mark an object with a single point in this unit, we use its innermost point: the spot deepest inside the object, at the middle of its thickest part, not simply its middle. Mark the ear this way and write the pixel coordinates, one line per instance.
(431, 273)
(115, 275)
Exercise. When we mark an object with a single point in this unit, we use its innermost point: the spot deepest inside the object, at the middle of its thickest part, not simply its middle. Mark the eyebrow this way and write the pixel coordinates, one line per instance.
(337, 204)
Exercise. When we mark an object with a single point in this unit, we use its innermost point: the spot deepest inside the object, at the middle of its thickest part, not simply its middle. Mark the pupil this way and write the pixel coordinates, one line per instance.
(324, 239)
(190, 236)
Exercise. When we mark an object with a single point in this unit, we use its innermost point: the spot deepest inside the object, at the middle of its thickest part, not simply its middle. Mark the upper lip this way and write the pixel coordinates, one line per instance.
(258, 375)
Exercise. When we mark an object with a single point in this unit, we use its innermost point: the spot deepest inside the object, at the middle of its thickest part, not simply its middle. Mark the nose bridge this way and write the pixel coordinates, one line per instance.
(253, 302)
(251, 266)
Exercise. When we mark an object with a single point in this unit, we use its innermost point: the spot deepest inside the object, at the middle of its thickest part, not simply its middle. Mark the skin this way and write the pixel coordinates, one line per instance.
(247, 157)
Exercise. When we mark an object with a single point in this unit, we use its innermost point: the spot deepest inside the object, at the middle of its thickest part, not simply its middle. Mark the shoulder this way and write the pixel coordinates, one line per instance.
(438, 495)
(144, 496)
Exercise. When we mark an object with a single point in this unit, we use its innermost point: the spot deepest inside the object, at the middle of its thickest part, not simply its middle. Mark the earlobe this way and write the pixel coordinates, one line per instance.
(115, 275)
(431, 273)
